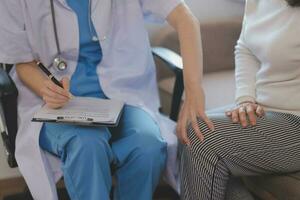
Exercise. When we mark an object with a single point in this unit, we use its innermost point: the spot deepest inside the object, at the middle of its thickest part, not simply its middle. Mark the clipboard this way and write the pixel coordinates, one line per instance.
(84, 111)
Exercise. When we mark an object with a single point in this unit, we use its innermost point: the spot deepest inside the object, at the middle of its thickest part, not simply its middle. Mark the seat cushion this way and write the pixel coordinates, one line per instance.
(270, 187)
(218, 86)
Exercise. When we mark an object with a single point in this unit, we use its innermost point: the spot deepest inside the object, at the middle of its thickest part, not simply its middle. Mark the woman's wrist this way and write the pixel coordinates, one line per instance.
(191, 92)
(246, 102)
(245, 99)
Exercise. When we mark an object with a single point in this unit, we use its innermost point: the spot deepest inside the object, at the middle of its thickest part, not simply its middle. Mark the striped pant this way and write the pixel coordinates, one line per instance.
(270, 147)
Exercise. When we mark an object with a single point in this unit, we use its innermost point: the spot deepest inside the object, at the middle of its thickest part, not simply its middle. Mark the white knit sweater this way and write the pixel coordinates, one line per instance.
(268, 56)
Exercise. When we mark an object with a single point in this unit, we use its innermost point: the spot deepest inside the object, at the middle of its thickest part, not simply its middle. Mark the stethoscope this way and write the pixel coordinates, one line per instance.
(59, 63)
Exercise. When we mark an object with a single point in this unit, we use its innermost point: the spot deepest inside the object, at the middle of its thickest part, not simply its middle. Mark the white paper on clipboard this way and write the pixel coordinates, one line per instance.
(83, 110)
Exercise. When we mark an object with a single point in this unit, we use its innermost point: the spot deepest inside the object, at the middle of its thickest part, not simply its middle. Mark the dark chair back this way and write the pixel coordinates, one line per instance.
(8, 111)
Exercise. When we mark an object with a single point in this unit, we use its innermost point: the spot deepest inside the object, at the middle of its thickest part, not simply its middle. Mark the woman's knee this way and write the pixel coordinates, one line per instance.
(210, 143)
(205, 131)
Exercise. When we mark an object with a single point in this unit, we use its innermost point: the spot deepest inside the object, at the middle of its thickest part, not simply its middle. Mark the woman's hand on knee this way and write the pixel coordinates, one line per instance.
(55, 96)
(192, 109)
(245, 113)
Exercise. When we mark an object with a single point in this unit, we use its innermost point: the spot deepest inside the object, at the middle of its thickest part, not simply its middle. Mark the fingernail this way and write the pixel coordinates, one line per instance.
(71, 96)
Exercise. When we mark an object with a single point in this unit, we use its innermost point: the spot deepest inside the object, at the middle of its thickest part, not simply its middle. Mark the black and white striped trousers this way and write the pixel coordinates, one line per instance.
(270, 147)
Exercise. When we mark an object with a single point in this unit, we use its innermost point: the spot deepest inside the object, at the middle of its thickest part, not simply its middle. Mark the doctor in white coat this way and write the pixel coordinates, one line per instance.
(118, 48)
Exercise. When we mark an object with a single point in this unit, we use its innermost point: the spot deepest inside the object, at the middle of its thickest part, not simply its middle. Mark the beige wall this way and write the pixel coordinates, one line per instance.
(203, 9)
(209, 10)
(214, 9)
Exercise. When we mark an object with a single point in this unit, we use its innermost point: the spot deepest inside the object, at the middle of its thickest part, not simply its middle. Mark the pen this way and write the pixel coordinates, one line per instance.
(48, 73)
(51, 76)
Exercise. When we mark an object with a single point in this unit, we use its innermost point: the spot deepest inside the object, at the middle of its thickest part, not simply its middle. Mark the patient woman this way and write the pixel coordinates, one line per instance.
(261, 134)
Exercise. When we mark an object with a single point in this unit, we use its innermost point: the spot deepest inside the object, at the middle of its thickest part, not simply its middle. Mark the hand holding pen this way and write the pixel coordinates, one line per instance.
(55, 93)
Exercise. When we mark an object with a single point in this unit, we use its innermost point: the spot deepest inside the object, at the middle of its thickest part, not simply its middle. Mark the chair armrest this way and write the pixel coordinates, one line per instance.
(8, 115)
(172, 59)
(174, 63)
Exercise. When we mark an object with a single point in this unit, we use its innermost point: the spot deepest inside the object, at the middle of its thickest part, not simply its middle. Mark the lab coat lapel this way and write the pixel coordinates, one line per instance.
(64, 3)
(101, 16)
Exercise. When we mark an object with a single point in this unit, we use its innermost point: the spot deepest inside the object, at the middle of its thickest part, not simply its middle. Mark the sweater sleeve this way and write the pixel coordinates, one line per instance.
(246, 66)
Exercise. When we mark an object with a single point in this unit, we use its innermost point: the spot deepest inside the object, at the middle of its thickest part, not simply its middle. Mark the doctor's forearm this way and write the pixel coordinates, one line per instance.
(31, 76)
(188, 29)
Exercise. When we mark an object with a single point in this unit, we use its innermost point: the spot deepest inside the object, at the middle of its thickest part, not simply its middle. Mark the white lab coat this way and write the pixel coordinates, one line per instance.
(127, 71)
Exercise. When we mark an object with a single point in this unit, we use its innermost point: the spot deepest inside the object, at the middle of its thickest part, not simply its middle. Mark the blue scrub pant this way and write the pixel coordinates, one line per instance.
(135, 147)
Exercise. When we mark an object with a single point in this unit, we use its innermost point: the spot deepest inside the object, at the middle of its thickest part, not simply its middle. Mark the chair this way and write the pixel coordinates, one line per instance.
(8, 113)
(9, 94)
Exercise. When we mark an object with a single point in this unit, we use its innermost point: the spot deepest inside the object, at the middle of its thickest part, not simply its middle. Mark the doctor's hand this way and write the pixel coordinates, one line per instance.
(193, 109)
(54, 96)
(246, 113)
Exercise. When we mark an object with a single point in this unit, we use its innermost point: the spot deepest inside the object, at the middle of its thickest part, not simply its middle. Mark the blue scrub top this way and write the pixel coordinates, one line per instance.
(84, 81)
